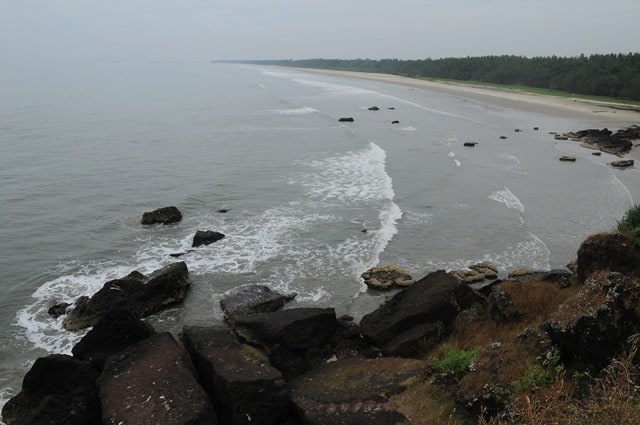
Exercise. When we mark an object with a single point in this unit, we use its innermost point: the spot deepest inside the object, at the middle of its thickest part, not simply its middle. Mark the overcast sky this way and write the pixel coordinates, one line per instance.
(200, 30)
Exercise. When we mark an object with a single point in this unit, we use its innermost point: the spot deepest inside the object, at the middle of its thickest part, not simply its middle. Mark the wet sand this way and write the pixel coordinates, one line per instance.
(603, 113)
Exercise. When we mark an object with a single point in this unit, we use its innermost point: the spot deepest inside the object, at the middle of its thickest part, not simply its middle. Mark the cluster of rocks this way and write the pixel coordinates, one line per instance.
(273, 365)
(371, 108)
(605, 140)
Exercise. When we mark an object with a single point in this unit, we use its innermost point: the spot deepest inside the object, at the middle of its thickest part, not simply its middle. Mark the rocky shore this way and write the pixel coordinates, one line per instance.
(273, 365)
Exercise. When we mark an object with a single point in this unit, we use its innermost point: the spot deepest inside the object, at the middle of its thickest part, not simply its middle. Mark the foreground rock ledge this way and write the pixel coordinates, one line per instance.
(153, 382)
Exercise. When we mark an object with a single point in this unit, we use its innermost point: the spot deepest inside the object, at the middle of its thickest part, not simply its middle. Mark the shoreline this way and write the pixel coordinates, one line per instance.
(604, 112)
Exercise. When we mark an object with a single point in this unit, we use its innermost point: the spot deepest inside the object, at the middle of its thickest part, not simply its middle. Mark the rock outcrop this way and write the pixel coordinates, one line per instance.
(346, 119)
(153, 382)
(387, 277)
(615, 143)
(476, 273)
(136, 293)
(436, 298)
(592, 325)
(607, 251)
(166, 215)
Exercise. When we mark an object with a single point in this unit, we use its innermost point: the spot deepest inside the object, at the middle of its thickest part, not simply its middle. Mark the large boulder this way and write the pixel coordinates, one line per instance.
(355, 391)
(114, 332)
(253, 299)
(436, 298)
(387, 277)
(58, 389)
(298, 329)
(594, 324)
(136, 293)
(166, 215)
(244, 387)
(206, 237)
(607, 251)
(153, 382)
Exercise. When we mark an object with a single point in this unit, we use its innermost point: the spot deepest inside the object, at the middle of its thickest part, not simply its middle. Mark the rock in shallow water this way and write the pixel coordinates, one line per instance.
(166, 215)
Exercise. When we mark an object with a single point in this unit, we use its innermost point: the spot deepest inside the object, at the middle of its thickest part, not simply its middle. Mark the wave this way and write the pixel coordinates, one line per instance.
(508, 199)
(301, 245)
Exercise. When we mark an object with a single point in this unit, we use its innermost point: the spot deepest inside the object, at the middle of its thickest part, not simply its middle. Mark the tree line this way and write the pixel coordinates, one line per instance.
(612, 75)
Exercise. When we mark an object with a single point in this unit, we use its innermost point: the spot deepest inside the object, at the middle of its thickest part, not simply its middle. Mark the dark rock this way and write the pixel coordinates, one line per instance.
(58, 389)
(536, 128)
(297, 329)
(560, 137)
(177, 254)
(223, 210)
(517, 130)
(395, 122)
(346, 119)
(58, 309)
(244, 387)
(253, 299)
(386, 277)
(596, 153)
(374, 108)
(470, 144)
(114, 332)
(136, 293)
(568, 158)
(206, 237)
(153, 382)
(438, 297)
(355, 391)
(534, 342)
(624, 163)
(391, 108)
(594, 325)
(416, 341)
(166, 215)
(607, 251)
(503, 137)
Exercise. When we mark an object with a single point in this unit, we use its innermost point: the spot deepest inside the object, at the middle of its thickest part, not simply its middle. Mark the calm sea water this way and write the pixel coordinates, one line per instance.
(87, 149)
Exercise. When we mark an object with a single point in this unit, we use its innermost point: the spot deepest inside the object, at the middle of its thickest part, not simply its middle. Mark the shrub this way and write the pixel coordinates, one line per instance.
(629, 225)
(455, 360)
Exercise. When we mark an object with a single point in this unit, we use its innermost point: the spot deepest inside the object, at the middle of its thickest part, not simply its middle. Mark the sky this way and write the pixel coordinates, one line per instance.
(203, 30)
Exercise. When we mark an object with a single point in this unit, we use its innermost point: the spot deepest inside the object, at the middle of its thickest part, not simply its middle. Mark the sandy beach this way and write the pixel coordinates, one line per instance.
(603, 113)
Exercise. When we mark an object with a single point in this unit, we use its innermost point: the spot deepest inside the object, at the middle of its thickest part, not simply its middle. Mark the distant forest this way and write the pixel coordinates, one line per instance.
(612, 75)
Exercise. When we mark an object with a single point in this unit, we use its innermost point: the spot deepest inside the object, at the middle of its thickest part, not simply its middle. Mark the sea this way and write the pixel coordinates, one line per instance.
(311, 202)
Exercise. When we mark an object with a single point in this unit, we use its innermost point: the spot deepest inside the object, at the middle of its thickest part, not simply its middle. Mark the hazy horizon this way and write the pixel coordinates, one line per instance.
(200, 30)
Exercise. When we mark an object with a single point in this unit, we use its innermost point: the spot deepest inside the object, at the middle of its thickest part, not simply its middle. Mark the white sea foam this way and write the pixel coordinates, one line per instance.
(5, 395)
(507, 198)
(512, 164)
(458, 163)
(295, 111)
(409, 128)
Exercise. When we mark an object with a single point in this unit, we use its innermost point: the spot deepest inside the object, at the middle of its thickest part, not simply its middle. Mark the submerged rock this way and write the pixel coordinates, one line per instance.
(623, 163)
(346, 119)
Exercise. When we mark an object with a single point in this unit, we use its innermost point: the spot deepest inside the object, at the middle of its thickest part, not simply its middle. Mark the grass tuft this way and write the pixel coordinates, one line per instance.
(629, 224)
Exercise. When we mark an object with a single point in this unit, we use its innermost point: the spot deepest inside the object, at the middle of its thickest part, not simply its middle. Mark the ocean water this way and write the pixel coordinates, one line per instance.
(312, 203)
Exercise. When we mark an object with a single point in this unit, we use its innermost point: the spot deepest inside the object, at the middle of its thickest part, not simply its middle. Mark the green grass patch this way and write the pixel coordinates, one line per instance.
(455, 360)
(629, 224)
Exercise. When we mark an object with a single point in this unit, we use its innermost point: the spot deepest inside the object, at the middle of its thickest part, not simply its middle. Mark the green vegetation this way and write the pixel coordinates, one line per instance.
(534, 378)
(455, 360)
(629, 225)
(615, 76)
